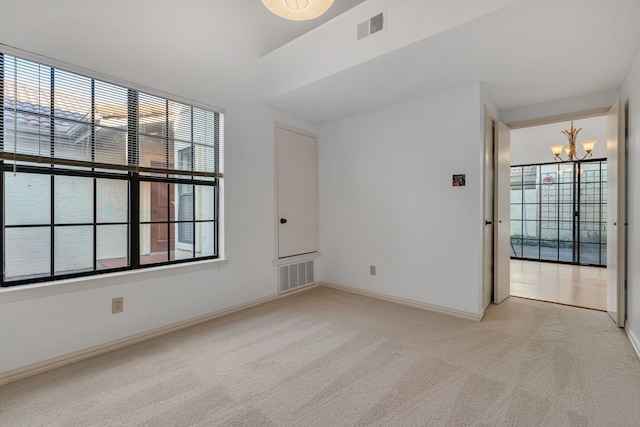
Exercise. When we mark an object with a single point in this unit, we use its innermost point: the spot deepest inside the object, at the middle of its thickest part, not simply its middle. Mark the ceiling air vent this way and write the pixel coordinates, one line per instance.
(370, 26)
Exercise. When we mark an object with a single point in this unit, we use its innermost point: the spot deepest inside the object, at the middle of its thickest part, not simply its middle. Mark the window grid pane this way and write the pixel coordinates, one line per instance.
(561, 216)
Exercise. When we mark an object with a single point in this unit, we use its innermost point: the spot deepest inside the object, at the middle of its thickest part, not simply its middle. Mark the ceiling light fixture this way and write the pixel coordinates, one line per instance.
(572, 134)
(298, 10)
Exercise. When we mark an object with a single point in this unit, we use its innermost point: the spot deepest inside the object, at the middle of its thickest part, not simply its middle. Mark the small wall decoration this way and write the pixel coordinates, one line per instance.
(458, 180)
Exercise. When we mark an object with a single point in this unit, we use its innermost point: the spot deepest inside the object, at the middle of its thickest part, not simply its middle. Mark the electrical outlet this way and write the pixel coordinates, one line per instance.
(372, 270)
(117, 305)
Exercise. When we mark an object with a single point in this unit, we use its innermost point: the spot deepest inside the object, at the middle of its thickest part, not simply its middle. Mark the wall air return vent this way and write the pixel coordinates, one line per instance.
(295, 276)
(370, 26)
(376, 23)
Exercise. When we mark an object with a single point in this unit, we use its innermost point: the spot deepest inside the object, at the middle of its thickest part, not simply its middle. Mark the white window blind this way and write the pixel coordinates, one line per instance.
(58, 117)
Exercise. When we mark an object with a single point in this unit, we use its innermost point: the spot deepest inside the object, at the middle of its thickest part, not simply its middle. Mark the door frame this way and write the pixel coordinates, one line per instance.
(502, 214)
(500, 254)
(617, 224)
(489, 189)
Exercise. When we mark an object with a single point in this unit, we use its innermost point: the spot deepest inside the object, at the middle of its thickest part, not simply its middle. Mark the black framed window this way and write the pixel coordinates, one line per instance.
(559, 212)
(97, 177)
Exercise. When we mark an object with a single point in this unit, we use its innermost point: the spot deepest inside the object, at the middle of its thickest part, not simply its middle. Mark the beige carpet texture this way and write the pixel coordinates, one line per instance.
(324, 357)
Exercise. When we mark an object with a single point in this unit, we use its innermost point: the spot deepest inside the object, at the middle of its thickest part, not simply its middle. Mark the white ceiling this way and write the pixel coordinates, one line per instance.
(271, 32)
(523, 51)
(529, 52)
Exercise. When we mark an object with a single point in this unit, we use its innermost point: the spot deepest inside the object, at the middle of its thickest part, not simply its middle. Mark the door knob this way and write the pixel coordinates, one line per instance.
(283, 220)
(488, 222)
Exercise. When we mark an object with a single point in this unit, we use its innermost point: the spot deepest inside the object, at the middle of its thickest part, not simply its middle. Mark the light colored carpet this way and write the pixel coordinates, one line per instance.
(329, 358)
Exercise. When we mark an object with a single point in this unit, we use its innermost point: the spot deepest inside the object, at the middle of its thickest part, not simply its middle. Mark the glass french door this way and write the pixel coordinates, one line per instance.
(559, 212)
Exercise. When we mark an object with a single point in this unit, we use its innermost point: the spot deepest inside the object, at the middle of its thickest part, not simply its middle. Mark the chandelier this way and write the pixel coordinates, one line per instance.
(298, 10)
(570, 151)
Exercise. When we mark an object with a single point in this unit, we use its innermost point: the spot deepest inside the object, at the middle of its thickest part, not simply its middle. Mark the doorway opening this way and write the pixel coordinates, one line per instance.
(558, 217)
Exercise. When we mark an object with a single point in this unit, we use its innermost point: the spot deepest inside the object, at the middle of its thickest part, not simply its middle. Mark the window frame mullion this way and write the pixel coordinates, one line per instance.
(95, 180)
(192, 167)
(52, 213)
(2, 284)
(133, 152)
(2, 167)
(52, 152)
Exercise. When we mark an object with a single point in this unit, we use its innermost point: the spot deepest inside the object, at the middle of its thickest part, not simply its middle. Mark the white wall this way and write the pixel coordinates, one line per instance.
(531, 144)
(386, 199)
(588, 102)
(38, 323)
(631, 91)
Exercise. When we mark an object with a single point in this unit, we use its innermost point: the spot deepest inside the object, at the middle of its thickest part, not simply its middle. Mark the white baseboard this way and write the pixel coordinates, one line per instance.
(634, 340)
(404, 301)
(67, 359)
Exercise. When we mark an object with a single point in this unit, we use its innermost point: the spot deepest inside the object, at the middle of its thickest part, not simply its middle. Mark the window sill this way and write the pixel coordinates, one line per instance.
(23, 292)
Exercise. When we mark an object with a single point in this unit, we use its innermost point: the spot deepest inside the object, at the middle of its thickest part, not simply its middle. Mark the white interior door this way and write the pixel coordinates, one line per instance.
(489, 142)
(616, 213)
(502, 231)
(297, 192)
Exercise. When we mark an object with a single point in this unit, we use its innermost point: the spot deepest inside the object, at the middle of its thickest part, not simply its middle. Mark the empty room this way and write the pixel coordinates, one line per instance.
(299, 212)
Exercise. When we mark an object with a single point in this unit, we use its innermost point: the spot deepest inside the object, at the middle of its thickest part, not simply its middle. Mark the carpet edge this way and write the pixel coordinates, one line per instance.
(635, 343)
(405, 301)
